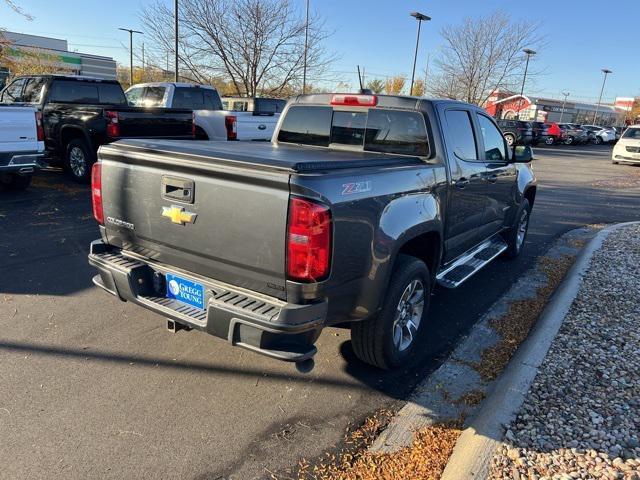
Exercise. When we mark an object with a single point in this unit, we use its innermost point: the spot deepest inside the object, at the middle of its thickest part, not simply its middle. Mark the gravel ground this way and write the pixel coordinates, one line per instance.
(581, 418)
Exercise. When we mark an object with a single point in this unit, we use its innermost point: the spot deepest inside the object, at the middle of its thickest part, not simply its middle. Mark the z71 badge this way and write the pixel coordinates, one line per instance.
(356, 187)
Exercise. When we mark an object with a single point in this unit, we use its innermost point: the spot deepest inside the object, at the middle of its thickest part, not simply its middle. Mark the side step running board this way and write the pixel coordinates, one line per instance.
(470, 263)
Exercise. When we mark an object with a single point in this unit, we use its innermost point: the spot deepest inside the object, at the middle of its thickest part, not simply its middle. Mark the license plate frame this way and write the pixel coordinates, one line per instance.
(185, 290)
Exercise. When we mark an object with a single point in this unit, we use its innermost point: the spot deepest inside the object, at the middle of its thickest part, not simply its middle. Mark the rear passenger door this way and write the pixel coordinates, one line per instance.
(467, 190)
(500, 177)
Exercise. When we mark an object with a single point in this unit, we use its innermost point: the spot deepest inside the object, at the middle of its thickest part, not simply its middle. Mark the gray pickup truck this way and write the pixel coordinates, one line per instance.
(355, 211)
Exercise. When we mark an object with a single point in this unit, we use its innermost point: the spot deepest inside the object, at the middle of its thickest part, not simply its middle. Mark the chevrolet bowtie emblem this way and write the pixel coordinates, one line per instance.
(178, 215)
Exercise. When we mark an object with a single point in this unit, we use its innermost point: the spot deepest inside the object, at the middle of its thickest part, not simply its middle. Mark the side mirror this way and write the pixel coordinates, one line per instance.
(522, 154)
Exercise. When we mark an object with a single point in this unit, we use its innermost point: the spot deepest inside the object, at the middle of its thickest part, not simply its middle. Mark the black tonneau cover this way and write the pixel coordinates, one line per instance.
(291, 158)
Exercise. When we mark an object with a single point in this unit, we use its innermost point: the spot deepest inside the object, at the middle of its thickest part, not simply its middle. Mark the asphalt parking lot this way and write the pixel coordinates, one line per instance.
(94, 388)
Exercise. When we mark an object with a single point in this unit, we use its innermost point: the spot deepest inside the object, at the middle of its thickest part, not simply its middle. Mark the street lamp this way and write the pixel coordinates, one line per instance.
(306, 46)
(175, 28)
(420, 17)
(606, 72)
(564, 102)
(529, 54)
(131, 32)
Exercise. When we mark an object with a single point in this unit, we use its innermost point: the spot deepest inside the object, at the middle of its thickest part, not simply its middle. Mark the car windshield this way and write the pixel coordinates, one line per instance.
(632, 133)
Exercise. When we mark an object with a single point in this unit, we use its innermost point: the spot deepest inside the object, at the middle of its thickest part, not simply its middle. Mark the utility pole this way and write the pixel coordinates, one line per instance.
(306, 47)
(177, 79)
(143, 64)
(529, 53)
(564, 102)
(131, 32)
(420, 17)
(606, 72)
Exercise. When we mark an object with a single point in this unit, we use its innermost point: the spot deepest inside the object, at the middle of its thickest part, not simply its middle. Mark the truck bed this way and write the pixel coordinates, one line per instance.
(265, 156)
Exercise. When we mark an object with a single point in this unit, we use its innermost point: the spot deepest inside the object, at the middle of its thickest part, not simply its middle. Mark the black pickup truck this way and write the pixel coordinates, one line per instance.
(360, 205)
(80, 114)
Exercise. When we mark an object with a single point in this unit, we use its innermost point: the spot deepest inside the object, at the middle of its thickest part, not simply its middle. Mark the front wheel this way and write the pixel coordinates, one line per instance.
(568, 141)
(597, 140)
(390, 339)
(79, 160)
(517, 234)
(549, 140)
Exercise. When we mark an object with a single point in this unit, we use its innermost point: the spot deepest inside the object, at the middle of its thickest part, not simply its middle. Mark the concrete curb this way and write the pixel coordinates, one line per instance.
(471, 458)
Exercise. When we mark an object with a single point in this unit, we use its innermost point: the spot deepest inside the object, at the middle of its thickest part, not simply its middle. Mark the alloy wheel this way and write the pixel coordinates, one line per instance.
(408, 315)
(77, 162)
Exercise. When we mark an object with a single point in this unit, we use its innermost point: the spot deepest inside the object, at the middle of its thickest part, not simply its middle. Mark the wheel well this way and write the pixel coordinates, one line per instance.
(530, 195)
(426, 247)
(201, 134)
(69, 134)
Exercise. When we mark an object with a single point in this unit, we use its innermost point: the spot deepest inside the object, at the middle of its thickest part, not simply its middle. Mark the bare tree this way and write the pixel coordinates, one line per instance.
(257, 44)
(13, 6)
(481, 55)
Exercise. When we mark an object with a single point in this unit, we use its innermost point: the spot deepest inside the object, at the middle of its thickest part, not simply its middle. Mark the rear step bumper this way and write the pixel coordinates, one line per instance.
(253, 321)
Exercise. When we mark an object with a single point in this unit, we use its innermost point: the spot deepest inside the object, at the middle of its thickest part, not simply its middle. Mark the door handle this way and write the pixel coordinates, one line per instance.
(462, 182)
(493, 178)
(175, 188)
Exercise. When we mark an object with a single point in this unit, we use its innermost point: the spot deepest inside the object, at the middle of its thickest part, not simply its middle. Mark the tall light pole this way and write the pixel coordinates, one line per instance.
(306, 46)
(420, 17)
(529, 54)
(606, 72)
(175, 19)
(564, 102)
(131, 32)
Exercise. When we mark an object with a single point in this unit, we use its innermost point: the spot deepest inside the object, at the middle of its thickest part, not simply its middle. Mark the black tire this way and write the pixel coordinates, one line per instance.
(14, 181)
(597, 140)
(549, 141)
(201, 134)
(514, 241)
(78, 160)
(510, 138)
(373, 339)
(568, 141)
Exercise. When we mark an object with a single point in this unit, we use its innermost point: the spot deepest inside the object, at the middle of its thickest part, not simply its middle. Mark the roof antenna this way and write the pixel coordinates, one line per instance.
(363, 91)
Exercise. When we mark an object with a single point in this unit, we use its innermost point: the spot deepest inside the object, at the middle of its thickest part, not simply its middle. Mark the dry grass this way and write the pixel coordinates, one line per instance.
(424, 459)
(514, 326)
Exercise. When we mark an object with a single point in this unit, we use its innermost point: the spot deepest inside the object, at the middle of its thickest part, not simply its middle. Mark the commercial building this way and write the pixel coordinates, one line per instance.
(55, 52)
(505, 104)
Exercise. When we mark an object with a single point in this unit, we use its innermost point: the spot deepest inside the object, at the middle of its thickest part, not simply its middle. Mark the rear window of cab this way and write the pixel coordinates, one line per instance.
(375, 130)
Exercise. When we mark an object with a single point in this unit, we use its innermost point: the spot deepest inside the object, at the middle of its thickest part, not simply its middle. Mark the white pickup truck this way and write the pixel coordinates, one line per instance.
(212, 122)
(21, 146)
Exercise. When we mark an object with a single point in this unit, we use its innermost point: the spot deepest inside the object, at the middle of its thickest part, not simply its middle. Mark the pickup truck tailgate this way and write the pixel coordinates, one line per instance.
(18, 129)
(223, 222)
(155, 122)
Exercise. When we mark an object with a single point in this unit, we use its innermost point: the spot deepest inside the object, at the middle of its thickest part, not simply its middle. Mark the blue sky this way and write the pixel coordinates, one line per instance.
(380, 35)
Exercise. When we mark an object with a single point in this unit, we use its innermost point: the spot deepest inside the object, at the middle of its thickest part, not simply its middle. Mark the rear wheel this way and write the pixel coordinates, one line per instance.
(390, 339)
(15, 181)
(78, 160)
(549, 141)
(517, 234)
(510, 138)
(568, 140)
(597, 140)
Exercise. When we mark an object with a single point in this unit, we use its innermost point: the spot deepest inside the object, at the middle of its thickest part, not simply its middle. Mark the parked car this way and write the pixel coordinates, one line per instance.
(359, 205)
(600, 134)
(80, 114)
(627, 150)
(516, 132)
(549, 133)
(212, 121)
(573, 135)
(21, 146)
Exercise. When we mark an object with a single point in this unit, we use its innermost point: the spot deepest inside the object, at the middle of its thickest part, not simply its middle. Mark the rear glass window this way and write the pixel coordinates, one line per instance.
(33, 90)
(307, 125)
(112, 94)
(191, 98)
(73, 92)
(378, 130)
(153, 97)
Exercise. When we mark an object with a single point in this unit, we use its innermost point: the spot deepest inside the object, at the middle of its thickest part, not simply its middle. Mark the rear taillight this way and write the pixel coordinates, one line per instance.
(231, 123)
(308, 241)
(193, 125)
(39, 127)
(354, 100)
(96, 192)
(113, 124)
